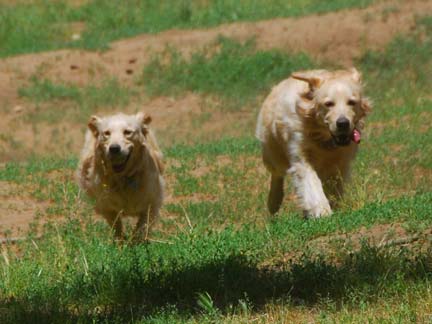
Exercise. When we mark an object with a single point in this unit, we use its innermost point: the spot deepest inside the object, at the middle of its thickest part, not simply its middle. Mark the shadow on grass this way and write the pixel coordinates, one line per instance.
(304, 281)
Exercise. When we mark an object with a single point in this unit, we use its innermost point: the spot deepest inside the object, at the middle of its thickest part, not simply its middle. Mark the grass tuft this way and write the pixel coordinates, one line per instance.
(84, 100)
(228, 69)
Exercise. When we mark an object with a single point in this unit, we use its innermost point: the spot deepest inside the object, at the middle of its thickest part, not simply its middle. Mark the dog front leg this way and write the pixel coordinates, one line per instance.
(145, 222)
(114, 221)
(309, 190)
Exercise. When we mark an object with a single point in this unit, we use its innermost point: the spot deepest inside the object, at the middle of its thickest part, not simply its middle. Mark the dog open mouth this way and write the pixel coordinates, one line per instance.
(342, 140)
(119, 166)
(356, 136)
(345, 139)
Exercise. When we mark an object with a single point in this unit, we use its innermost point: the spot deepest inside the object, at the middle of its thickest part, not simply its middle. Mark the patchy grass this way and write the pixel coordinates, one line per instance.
(399, 77)
(216, 257)
(229, 69)
(80, 101)
(76, 273)
(46, 24)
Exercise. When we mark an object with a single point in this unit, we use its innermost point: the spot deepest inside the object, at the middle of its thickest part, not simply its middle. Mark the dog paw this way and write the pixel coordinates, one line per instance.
(318, 211)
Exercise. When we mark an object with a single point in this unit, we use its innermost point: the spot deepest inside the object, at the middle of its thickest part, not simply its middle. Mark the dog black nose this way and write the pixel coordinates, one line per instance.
(114, 149)
(343, 124)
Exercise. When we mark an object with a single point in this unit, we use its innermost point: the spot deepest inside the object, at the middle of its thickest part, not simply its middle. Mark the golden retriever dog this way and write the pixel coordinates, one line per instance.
(310, 127)
(121, 168)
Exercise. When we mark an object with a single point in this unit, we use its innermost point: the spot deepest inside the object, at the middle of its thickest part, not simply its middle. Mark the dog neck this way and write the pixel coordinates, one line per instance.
(328, 144)
(129, 179)
(317, 134)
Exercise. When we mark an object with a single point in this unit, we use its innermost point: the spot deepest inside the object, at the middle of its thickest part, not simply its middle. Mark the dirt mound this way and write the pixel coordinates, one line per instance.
(337, 246)
(338, 37)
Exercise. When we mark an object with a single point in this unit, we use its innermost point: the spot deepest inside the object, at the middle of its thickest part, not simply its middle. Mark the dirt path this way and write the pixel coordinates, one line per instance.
(339, 37)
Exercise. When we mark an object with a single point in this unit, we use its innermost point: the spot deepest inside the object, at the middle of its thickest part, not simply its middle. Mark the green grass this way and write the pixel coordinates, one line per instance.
(215, 255)
(399, 78)
(227, 69)
(47, 25)
(81, 101)
(75, 275)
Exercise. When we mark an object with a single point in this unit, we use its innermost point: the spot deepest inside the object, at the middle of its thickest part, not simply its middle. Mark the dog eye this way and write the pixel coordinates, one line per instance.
(107, 133)
(127, 132)
(329, 104)
(352, 102)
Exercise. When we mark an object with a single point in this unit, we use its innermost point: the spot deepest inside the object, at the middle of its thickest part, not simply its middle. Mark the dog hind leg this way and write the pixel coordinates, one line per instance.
(276, 194)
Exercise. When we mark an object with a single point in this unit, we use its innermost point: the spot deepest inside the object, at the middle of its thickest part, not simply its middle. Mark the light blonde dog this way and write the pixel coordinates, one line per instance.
(309, 127)
(121, 168)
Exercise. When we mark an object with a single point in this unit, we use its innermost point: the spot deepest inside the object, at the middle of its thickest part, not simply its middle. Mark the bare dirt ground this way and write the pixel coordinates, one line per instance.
(338, 37)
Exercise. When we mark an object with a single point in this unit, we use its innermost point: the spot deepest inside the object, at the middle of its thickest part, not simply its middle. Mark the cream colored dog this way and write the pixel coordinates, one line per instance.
(309, 127)
(121, 168)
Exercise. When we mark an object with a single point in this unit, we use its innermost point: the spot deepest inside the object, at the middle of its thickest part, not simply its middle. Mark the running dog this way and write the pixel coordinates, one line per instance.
(121, 168)
(310, 127)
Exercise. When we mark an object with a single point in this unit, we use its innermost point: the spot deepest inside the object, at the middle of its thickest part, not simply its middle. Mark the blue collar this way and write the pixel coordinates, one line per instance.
(132, 183)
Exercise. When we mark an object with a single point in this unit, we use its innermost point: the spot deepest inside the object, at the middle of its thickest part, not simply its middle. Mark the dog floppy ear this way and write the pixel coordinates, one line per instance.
(94, 125)
(312, 79)
(355, 75)
(366, 105)
(305, 108)
(144, 120)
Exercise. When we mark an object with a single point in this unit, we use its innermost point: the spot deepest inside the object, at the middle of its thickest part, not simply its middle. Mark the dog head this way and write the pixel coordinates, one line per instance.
(120, 138)
(336, 102)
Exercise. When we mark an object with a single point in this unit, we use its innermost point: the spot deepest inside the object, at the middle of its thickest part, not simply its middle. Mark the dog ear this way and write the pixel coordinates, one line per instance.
(94, 125)
(305, 108)
(144, 119)
(312, 79)
(366, 105)
(356, 75)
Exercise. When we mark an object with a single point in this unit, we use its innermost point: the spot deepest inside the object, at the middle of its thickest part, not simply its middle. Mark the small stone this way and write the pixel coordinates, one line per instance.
(76, 37)
(17, 109)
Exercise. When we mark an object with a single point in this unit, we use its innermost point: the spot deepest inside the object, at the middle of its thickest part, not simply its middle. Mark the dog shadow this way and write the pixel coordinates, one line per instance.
(305, 282)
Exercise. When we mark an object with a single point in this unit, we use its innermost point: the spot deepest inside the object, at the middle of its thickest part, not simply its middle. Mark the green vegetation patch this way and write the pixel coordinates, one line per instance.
(110, 92)
(84, 100)
(45, 24)
(228, 68)
(76, 273)
(399, 78)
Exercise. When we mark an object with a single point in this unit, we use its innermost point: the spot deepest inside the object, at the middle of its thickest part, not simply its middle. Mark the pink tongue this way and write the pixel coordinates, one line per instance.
(356, 136)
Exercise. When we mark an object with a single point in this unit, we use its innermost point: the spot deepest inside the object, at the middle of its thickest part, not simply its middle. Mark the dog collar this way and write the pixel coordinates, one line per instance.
(329, 144)
(131, 182)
